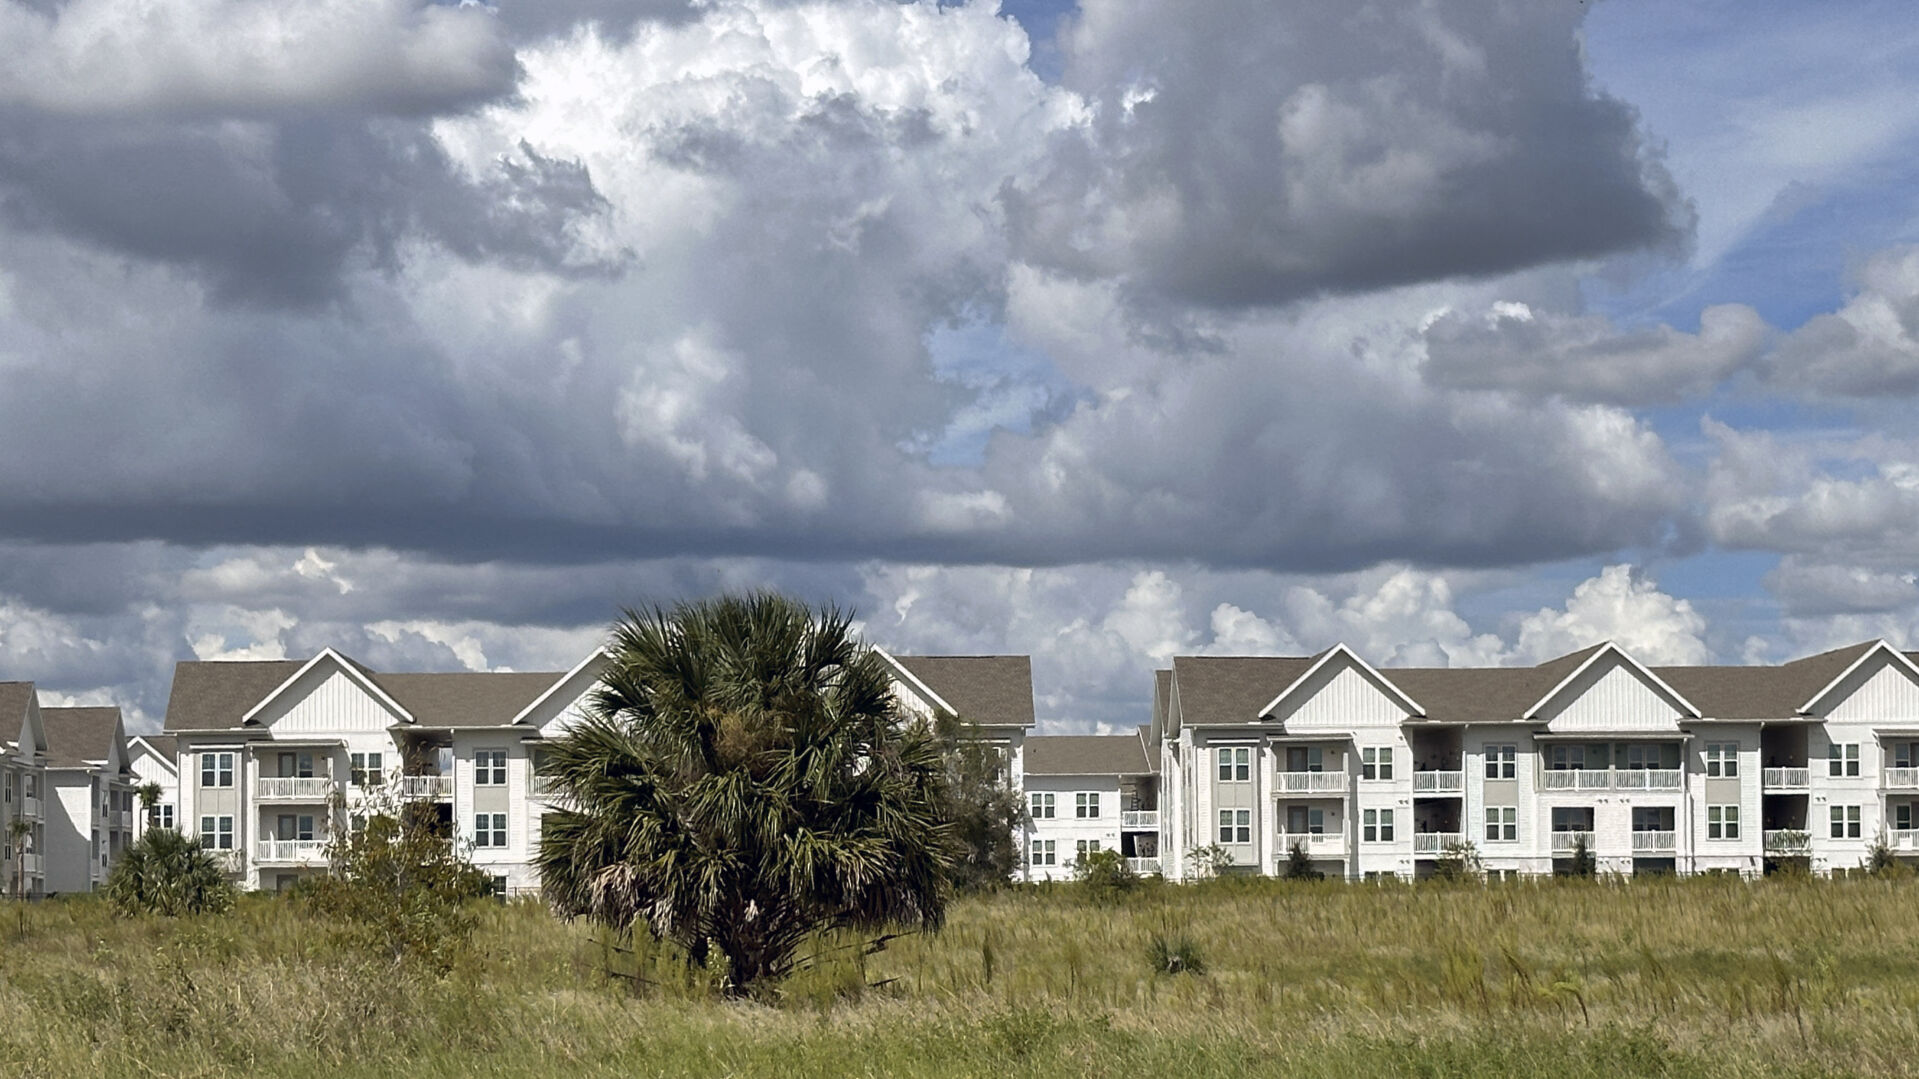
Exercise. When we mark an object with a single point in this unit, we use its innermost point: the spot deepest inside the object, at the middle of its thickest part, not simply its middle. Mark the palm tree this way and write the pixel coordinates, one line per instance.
(149, 802)
(745, 778)
(168, 873)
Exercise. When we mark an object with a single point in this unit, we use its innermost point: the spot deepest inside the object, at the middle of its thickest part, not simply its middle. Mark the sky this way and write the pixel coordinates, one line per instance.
(1463, 333)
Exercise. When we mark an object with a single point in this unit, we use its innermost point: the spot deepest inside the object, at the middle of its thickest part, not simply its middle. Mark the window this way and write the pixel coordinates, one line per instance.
(489, 830)
(1043, 806)
(1905, 754)
(1086, 805)
(9, 788)
(296, 765)
(216, 833)
(165, 816)
(216, 770)
(1566, 758)
(1376, 764)
(1235, 765)
(1235, 826)
(1722, 759)
(357, 822)
(369, 769)
(1305, 759)
(1902, 817)
(1085, 847)
(1502, 824)
(489, 768)
(1722, 822)
(1376, 826)
(291, 827)
(1845, 822)
(1842, 759)
(1042, 853)
(1305, 820)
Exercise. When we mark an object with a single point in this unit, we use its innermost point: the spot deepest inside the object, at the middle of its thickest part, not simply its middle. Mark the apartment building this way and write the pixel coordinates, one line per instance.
(275, 756)
(994, 694)
(1088, 793)
(23, 777)
(1373, 772)
(155, 760)
(89, 783)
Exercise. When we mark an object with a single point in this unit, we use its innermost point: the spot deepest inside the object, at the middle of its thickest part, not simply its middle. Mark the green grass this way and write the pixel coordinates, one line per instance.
(1568, 979)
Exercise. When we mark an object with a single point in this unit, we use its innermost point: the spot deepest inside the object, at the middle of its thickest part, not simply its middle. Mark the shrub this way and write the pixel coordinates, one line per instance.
(1459, 860)
(1208, 861)
(168, 873)
(1299, 865)
(1104, 876)
(1174, 955)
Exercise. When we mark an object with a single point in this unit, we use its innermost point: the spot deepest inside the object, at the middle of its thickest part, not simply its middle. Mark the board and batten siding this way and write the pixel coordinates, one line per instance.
(328, 701)
(1879, 691)
(1611, 696)
(1339, 697)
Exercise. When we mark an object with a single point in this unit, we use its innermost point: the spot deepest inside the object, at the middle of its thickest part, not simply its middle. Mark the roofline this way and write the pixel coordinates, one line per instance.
(926, 690)
(1806, 708)
(1532, 712)
(1412, 706)
(352, 671)
(172, 765)
(597, 653)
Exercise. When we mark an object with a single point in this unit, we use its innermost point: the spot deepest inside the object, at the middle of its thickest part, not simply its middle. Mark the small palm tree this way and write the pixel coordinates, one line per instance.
(168, 873)
(744, 779)
(150, 802)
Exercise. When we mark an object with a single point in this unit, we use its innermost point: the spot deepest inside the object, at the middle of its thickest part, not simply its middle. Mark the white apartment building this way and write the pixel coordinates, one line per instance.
(89, 783)
(266, 750)
(993, 693)
(1087, 793)
(1666, 769)
(23, 776)
(155, 760)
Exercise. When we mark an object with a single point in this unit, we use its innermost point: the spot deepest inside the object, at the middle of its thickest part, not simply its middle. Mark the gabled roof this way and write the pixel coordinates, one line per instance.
(1589, 656)
(1337, 652)
(594, 664)
(1232, 689)
(467, 698)
(993, 691)
(1858, 654)
(163, 746)
(212, 695)
(82, 737)
(1473, 694)
(357, 672)
(1086, 755)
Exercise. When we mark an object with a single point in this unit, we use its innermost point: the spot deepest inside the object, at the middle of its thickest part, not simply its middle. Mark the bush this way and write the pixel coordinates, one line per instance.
(168, 873)
(1209, 861)
(1459, 860)
(1299, 865)
(1174, 955)
(1104, 876)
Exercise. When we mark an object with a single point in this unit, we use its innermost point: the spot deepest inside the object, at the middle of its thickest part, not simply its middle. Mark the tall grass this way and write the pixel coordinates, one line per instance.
(1575, 978)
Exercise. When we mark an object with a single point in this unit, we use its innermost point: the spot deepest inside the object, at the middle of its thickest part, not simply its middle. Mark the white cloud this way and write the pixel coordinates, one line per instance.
(1622, 607)
(1870, 346)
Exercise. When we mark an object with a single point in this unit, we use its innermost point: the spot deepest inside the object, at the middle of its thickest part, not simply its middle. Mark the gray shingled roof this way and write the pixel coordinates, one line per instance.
(1086, 754)
(164, 744)
(1476, 694)
(1232, 689)
(214, 695)
(14, 698)
(1761, 692)
(991, 690)
(77, 737)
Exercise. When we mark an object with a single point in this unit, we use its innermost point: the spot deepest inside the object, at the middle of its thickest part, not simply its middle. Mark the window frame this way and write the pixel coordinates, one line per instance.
(1842, 760)
(214, 765)
(1502, 824)
(489, 830)
(496, 768)
(1086, 805)
(1376, 764)
(1235, 827)
(1235, 764)
(1042, 849)
(1845, 821)
(1722, 760)
(1043, 805)
(1722, 821)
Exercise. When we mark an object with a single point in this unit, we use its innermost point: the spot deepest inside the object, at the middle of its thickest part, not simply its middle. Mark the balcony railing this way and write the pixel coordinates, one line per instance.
(123, 819)
(1439, 782)
(1312, 782)
(1612, 779)
(1655, 842)
(1139, 820)
(30, 807)
(1647, 779)
(1903, 839)
(30, 864)
(437, 788)
(1434, 842)
(1788, 840)
(1786, 779)
(1577, 779)
(1144, 867)
(294, 788)
(1565, 842)
(300, 851)
(1313, 842)
(1899, 779)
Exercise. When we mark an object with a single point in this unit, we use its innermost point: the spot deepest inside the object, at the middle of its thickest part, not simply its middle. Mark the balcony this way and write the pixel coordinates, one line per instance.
(1899, 779)
(1903, 839)
(1321, 844)
(30, 808)
(291, 851)
(1564, 842)
(1145, 867)
(1577, 779)
(1788, 841)
(122, 819)
(1655, 842)
(1786, 779)
(1312, 783)
(1647, 779)
(293, 788)
(1610, 779)
(434, 788)
(30, 864)
(1439, 782)
(1434, 843)
(1139, 820)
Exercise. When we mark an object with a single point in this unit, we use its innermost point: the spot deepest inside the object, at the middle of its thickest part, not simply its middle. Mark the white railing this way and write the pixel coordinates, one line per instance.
(30, 807)
(1900, 779)
(1655, 842)
(434, 787)
(1903, 838)
(30, 864)
(123, 820)
(1647, 779)
(290, 850)
(296, 788)
(1144, 867)
(1314, 842)
(1312, 782)
(1792, 779)
(1788, 840)
(1565, 842)
(1439, 782)
(1434, 842)
(1134, 820)
(1577, 779)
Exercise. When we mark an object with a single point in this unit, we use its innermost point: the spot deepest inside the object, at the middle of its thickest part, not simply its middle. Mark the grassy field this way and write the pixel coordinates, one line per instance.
(1571, 979)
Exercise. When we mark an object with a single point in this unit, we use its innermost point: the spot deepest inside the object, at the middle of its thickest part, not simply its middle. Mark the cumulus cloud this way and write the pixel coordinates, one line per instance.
(1253, 153)
(1619, 606)
(1870, 346)
(1836, 497)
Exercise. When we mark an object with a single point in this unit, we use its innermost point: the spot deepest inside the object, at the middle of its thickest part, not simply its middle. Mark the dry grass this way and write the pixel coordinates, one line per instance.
(1706, 978)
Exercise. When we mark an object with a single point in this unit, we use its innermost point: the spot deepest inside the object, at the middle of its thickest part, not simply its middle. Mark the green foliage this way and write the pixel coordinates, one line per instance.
(1104, 877)
(1582, 862)
(149, 793)
(1208, 861)
(981, 807)
(1881, 861)
(1299, 864)
(744, 780)
(1174, 955)
(168, 873)
(398, 887)
(1459, 860)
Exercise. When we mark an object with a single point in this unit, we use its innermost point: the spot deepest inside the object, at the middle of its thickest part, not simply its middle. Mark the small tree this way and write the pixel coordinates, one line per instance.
(980, 805)
(1299, 864)
(1583, 862)
(1459, 860)
(168, 873)
(1209, 861)
(150, 802)
(1880, 860)
(1104, 876)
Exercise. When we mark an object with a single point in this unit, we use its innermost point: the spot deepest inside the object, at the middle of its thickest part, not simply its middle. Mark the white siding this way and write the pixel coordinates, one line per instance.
(1339, 697)
(1880, 691)
(327, 701)
(1611, 696)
